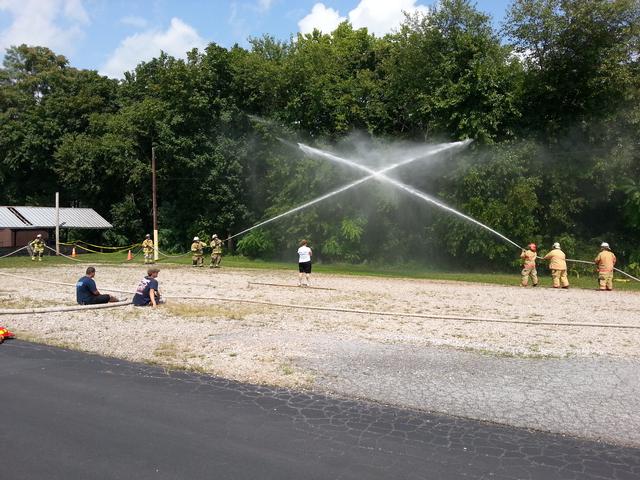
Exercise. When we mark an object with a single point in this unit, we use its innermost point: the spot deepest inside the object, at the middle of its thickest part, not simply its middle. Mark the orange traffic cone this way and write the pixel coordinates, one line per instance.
(129, 256)
(73, 252)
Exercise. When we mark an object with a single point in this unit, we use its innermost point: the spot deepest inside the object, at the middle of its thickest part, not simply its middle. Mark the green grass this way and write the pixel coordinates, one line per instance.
(587, 281)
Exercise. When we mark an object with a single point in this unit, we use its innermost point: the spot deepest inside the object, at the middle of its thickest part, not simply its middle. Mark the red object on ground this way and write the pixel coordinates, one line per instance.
(4, 334)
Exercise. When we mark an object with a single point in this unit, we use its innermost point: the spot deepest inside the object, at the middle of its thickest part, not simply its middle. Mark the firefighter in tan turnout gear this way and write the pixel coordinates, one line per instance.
(529, 266)
(147, 249)
(558, 266)
(37, 248)
(216, 251)
(605, 261)
(197, 247)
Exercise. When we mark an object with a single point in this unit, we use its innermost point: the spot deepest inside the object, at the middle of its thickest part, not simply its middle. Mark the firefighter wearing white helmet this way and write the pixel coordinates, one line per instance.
(558, 266)
(216, 251)
(37, 248)
(528, 257)
(605, 262)
(197, 248)
(147, 249)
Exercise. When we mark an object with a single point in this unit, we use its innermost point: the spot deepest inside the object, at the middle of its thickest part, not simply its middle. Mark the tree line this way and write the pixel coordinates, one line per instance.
(551, 99)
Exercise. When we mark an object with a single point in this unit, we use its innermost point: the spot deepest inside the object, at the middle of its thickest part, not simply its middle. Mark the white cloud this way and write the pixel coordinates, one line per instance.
(134, 21)
(264, 5)
(379, 16)
(382, 17)
(73, 9)
(323, 18)
(176, 41)
(57, 24)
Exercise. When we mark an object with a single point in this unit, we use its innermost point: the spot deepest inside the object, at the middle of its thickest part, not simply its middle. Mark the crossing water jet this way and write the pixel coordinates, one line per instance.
(381, 176)
(372, 174)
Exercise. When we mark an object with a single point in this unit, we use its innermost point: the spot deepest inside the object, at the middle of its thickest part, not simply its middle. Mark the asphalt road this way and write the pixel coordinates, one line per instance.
(68, 415)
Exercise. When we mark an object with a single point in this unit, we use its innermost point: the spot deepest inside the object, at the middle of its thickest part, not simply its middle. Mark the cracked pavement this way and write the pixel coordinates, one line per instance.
(597, 398)
(70, 415)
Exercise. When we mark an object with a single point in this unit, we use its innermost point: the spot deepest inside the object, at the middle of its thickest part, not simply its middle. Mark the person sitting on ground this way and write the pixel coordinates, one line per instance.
(147, 292)
(304, 263)
(87, 293)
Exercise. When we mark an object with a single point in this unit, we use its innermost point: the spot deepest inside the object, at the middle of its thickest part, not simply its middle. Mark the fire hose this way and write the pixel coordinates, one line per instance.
(66, 308)
(336, 309)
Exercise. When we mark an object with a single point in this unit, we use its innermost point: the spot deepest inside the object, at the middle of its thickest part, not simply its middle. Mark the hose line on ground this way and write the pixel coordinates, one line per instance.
(66, 308)
(593, 263)
(400, 314)
(343, 310)
(15, 251)
(29, 279)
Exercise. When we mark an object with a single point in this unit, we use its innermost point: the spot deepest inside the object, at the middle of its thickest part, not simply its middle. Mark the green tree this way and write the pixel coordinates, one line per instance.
(447, 75)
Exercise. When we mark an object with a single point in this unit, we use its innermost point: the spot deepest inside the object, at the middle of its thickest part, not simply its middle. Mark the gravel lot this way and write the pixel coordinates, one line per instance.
(391, 359)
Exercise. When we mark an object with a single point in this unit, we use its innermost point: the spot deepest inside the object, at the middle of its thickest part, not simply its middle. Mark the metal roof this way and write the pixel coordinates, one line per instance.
(45, 217)
(9, 220)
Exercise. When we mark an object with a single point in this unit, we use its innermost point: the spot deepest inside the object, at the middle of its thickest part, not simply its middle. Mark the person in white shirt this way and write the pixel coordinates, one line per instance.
(304, 263)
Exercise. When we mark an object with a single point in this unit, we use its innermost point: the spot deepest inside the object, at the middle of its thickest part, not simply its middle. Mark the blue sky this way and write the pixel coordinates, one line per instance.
(113, 36)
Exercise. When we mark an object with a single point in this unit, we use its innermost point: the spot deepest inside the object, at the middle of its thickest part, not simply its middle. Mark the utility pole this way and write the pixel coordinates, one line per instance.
(57, 223)
(154, 208)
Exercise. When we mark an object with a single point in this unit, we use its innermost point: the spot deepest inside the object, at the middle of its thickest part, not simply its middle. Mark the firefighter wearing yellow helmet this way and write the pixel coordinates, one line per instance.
(528, 257)
(605, 262)
(37, 248)
(147, 249)
(197, 248)
(558, 266)
(216, 251)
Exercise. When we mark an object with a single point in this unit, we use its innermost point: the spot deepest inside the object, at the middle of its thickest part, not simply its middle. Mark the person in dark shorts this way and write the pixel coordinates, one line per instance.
(87, 293)
(304, 263)
(147, 292)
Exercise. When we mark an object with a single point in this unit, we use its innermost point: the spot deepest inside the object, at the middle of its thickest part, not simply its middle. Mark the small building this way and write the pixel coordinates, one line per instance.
(20, 225)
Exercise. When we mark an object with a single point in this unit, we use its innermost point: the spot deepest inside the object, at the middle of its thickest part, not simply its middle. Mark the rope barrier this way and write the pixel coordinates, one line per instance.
(101, 246)
(174, 256)
(101, 253)
(63, 255)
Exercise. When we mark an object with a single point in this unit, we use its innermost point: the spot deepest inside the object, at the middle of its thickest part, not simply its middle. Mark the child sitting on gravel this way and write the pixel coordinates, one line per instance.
(147, 292)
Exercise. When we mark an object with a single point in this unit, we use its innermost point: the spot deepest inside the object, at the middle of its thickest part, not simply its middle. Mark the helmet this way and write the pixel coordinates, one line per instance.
(4, 334)
(195, 239)
(556, 245)
(39, 235)
(214, 236)
(532, 247)
(148, 235)
(604, 245)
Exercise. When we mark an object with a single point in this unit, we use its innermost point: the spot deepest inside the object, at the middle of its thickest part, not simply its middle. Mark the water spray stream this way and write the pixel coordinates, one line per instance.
(372, 174)
(380, 176)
